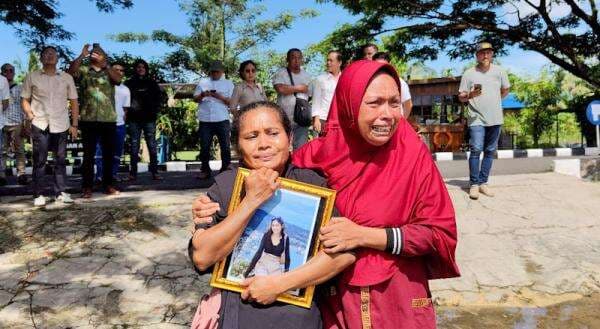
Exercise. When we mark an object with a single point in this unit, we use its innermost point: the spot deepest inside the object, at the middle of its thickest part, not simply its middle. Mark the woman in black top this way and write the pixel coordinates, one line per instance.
(261, 132)
(274, 251)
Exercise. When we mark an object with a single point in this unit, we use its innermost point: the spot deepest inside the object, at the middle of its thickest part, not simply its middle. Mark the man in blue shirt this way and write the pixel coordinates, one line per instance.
(213, 96)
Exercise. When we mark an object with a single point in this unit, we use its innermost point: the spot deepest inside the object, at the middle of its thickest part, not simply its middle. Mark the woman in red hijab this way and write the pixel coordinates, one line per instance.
(398, 217)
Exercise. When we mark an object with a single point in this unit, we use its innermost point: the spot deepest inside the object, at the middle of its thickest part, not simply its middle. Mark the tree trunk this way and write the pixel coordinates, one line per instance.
(222, 32)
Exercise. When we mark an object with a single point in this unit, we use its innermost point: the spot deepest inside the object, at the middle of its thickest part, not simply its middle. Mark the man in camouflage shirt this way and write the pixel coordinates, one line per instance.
(98, 117)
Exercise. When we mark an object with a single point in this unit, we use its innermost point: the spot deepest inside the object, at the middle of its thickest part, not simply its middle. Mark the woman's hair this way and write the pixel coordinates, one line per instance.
(270, 230)
(239, 116)
(382, 55)
(143, 62)
(369, 45)
(243, 67)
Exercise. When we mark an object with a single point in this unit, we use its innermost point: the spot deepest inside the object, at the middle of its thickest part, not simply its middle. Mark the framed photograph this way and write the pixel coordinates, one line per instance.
(282, 235)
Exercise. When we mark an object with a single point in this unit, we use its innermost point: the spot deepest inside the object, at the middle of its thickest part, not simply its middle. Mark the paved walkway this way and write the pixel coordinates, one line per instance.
(121, 262)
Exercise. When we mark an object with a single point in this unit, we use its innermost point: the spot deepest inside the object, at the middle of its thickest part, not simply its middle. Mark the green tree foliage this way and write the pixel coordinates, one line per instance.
(221, 29)
(180, 125)
(158, 70)
(541, 98)
(579, 104)
(35, 21)
(419, 70)
(33, 63)
(567, 32)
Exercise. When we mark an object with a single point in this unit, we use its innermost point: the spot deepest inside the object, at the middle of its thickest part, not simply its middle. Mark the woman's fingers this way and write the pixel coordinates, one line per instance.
(202, 220)
(203, 206)
(326, 229)
(247, 282)
(329, 242)
(334, 250)
(245, 294)
(208, 211)
(337, 220)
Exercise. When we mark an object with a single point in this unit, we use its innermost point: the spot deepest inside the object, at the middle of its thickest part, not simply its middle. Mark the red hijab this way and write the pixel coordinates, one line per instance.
(392, 185)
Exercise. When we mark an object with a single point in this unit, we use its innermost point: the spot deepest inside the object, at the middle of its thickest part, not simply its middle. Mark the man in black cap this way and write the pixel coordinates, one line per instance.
(213, 95)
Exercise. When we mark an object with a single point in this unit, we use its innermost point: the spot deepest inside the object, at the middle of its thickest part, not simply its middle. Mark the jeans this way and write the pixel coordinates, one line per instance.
(12, 134)
(483, 139)
(119, 143)
(299, 135)
(91, 133)
(43, 141)
(206, 131)
(135, 132)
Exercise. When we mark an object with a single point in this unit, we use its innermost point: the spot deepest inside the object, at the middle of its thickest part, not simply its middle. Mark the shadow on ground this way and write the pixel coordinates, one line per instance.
(171, 181)
(112, 261)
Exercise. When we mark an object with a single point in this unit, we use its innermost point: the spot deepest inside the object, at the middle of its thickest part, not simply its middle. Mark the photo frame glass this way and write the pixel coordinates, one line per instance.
(281, 236)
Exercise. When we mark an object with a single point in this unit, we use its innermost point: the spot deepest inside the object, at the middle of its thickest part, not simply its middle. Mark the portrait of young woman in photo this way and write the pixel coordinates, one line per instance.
(273, 252)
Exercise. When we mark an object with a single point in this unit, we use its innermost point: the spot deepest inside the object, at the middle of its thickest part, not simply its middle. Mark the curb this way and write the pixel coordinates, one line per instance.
(180, 166)
(527, 153)
(586, 168)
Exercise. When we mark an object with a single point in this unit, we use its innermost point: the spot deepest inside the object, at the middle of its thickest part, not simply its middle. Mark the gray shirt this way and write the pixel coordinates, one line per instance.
(486, 109)
(288, 102)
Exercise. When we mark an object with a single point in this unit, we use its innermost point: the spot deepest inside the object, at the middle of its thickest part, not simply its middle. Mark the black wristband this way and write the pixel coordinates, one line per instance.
(394, 240)
(389, 246)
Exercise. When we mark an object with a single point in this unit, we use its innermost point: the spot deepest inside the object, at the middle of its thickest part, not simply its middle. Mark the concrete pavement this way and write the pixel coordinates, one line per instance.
(122, 261)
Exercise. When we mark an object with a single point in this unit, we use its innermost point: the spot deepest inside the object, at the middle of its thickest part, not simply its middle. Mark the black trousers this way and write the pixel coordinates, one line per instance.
(135, 132)
(206, 131)
(92, 133)
(43, 141)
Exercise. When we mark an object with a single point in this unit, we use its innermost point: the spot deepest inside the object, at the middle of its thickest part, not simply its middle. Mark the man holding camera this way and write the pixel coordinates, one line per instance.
(213, 97)
(98, 118)
(483, 87)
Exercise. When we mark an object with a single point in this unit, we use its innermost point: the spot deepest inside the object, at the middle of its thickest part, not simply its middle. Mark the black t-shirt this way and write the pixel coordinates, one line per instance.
(234, 312)
(145, 99)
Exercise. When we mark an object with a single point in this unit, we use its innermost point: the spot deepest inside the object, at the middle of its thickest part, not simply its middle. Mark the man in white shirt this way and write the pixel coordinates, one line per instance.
(122, 103)
(12, 119)
(213, 96)
(324, 88)
(288, 91)
(46, 97)
(405, 97)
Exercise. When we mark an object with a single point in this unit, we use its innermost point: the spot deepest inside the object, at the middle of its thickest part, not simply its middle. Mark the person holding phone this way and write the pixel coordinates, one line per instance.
(213, 97)
(98, 117)
(483, 88)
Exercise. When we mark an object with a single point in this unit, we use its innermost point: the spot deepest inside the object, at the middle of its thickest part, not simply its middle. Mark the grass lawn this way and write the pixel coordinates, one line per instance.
(187, 155)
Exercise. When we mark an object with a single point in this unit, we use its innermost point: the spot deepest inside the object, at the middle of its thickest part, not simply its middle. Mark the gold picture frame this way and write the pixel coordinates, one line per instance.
(223, 273)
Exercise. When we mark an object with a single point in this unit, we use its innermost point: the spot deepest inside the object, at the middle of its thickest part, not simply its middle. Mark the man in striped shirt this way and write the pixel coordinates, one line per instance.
(13, 119)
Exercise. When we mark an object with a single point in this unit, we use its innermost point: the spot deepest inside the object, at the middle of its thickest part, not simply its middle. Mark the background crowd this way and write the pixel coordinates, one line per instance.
(91, 101)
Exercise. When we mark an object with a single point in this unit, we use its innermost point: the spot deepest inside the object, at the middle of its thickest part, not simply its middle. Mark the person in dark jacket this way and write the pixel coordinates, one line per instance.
(141, 116)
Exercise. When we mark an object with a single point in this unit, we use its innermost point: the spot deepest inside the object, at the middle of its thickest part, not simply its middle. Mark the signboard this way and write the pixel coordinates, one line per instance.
(593, 114)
